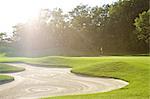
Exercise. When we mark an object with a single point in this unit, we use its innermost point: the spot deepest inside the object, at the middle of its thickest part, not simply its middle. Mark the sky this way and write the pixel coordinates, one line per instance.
(15, 11)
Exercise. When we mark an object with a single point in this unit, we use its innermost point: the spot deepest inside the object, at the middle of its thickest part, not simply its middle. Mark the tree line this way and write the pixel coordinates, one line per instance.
(119, 28)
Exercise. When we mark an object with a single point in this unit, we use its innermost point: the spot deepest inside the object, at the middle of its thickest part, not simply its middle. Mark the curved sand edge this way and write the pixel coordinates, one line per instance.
(36, 82)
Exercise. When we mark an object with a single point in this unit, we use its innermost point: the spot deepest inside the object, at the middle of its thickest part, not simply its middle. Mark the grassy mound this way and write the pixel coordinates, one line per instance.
(106, 69)
(135, 70)
(5, 79)
(4, 68)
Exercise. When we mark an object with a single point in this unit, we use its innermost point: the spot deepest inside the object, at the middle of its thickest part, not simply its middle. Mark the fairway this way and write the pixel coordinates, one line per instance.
(74, 49)
(37, 82)
(133, 69)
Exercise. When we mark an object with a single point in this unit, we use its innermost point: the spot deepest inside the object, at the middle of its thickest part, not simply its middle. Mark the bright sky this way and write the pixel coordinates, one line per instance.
(14, 11)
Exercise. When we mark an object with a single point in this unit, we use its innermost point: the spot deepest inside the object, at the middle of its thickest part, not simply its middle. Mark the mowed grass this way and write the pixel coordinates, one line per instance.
(134, 69)
(4, 68)
(5, 78)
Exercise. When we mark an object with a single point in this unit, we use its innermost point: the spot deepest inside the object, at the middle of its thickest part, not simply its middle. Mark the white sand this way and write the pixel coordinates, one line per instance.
(37, 82)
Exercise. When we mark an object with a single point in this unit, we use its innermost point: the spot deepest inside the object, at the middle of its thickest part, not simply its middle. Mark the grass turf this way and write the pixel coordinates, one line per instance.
(4, 68)
(5, 78)
(134, 69)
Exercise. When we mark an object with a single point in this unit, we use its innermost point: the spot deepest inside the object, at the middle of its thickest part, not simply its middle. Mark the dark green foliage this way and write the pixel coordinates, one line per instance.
(84, 31)
(119, 29)
(142, 24)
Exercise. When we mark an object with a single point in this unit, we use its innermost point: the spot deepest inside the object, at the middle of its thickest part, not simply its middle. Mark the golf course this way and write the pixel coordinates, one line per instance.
(74, 49)
(131, 69)
(8, 69)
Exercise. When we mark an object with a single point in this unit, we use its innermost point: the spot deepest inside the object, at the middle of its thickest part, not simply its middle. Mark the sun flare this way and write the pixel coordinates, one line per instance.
(16, 11)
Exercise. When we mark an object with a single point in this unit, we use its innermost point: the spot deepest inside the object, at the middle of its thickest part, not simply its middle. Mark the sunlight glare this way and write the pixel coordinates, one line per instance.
(16, 11)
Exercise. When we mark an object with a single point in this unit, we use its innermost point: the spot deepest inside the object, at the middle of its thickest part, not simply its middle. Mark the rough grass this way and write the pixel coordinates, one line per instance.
(134, 69)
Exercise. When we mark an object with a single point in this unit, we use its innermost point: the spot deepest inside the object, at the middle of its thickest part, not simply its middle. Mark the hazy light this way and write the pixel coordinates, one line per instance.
(15, 11)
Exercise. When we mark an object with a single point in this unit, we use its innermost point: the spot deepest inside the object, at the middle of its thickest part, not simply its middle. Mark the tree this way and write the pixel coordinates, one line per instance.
(85, 29)
(2, 36)
(88, 23)
(142, 24)
(119, 27)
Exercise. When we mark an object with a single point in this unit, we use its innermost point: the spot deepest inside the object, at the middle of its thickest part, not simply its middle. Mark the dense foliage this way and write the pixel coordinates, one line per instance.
(142, 24)
(85, 30)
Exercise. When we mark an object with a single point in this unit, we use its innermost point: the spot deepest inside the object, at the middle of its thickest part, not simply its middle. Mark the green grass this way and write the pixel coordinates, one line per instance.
(5, 78)
(2, 77)
(4, 68)
(134, 69)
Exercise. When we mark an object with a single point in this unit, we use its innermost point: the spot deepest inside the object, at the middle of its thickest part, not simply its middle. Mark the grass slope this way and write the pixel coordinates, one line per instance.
(4, 68)
(134, 69)
(5, 78)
